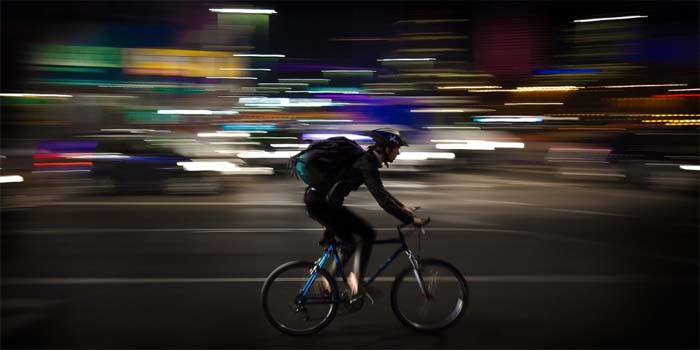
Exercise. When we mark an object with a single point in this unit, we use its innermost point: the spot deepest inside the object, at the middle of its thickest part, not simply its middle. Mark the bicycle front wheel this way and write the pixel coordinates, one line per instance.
(439, 304)
(290, 311)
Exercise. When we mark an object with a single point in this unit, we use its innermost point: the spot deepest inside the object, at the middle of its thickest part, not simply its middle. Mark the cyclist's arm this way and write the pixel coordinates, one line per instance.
(385, 200)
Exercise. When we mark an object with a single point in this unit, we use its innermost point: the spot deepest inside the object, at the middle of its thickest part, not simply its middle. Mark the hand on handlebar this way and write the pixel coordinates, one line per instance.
(409, 210)
(418, 222)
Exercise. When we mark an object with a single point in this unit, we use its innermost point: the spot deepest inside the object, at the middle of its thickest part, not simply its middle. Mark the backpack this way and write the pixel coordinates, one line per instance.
(323, 162)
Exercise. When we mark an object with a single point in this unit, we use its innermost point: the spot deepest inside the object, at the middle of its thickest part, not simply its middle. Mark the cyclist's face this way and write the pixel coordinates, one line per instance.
(393, 153)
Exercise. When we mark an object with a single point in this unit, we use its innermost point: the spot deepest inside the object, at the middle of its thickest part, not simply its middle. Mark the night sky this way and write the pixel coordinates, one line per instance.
(303, 30)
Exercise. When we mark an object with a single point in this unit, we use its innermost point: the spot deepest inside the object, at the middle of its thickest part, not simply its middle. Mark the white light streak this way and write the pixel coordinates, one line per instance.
(638, 85)
(266, 155)
(224, 168)
(479, 145)
(234, 78)
(290, 145)
(349, 71)
(492, 90)
(404, 59)
(453, 127)
(353, 137)
(324, 120)
(257, 55)
(228, 151)
(466, 87)
(249, 69)
(327, 92)
(208, 166)
(234, 143)
(425, 155)
(302, 79)
(450, 110)
(95, 156)
(194, 111)
(247, 11)
(11, 178)
(533, 103)
(287, 102)
(690, 167)
(508, 119)
(608, 19)
(223, 134)
(546, 88)
(284, 84)
(136, 131)
(692, 89)
(32, 95)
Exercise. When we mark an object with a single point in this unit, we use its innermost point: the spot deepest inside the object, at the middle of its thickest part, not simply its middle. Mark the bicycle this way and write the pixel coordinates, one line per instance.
(307, 306)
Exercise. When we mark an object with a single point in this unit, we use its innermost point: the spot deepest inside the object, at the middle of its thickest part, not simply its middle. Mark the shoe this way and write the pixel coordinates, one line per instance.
(366, 292)
(353, 305)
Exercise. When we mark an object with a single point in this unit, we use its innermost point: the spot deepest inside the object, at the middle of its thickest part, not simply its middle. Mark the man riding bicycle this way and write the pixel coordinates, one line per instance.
(326, 206)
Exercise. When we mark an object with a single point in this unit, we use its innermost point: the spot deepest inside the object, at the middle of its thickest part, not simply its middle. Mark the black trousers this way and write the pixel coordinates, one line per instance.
(342, 223)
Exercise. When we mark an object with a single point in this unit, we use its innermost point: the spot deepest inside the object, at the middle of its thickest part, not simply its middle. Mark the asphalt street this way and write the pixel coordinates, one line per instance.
(550, 263)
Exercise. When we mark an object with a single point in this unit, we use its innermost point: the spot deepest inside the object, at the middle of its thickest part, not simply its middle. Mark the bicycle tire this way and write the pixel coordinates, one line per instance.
(399, 304)
(276, 279)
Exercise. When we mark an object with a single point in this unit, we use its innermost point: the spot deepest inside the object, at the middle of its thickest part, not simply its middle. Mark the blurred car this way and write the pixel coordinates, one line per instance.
(136, 165)
(125, 162)
(663, 158)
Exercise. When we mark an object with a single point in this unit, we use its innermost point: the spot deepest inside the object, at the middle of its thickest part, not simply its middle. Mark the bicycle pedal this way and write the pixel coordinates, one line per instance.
(351, 307)
(360, 298)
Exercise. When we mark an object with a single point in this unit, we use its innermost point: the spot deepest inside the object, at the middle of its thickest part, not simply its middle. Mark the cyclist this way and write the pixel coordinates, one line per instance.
(327, 208)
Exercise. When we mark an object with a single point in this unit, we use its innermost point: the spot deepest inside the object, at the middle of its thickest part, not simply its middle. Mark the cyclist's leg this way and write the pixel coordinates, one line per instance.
(355, 224)
(317, 210)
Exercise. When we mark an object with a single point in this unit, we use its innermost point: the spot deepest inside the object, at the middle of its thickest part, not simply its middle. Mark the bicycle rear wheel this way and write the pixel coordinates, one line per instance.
(284, 307)
(446, 302)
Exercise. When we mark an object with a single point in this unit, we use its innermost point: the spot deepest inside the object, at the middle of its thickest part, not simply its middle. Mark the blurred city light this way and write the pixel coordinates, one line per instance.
(11, 178)
(608, 19)
(247, 11)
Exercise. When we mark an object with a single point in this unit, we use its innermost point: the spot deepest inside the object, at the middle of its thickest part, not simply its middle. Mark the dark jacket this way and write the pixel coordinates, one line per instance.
(365, 170)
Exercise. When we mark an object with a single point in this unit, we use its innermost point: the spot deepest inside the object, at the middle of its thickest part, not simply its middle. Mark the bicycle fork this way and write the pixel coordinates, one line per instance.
(415, 264)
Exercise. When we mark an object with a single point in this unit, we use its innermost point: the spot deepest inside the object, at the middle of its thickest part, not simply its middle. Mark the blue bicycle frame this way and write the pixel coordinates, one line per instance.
(332, 251)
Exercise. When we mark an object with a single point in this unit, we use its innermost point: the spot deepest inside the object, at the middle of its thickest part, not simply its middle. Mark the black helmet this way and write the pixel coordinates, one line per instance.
(388, 137)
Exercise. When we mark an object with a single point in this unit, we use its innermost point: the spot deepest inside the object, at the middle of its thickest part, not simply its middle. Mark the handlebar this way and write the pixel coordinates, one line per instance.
(425, 221)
